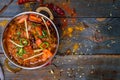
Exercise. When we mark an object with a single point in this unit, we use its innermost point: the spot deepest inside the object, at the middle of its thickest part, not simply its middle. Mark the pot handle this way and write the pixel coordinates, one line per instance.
(39, 9)
(9, 68)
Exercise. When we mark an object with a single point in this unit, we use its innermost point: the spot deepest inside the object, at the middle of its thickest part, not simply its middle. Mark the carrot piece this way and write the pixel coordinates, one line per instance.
(24, 34)
(48, 23)
(29, 50)
(22, 18)
(47, 54)
(25, 56)
(33, 60)
(38, 42)
(34, 18)
(44, 57)
(39, 31)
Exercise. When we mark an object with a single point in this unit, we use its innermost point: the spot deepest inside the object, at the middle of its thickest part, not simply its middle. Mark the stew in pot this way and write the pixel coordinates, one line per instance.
(30, 40)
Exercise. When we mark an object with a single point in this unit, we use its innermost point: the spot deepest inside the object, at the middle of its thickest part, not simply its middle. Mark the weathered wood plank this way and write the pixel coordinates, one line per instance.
(78, 67)
(83, 67)
(83, 8)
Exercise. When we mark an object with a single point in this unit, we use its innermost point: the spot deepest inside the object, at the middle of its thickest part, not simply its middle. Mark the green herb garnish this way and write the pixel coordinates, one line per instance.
(44, 45)
(18, 33)
(40, 37)
(44, 33)
(20, 52)
(24, 41)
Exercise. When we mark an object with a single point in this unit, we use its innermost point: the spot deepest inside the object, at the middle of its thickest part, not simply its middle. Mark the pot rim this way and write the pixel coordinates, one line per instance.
(36, 67)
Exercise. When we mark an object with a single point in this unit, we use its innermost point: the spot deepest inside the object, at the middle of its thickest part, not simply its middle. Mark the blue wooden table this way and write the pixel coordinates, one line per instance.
(90, 52)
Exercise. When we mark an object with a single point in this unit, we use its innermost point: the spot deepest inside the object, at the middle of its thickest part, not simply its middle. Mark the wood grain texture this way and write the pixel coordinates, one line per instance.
(83, 8)
(77, 67)
(84, 67)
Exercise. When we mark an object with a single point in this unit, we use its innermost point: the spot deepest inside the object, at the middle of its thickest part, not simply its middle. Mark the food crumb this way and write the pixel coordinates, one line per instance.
(110, 14)
(75, 47)
(99, 31)
(110, 27)
(96, 26)
(61, 70)
(108, 45)
(51, 71)
(27, 6)
(115, 7)
(80, 76)
(68, 52)
(76, 73)
(112, 41)
(81, 53)
(83, 73)
(80, 28)
(69, 75)
(70, 30)
(3, 23)
(92, 72)
(69, 60)
(68, 72)
(68, 69)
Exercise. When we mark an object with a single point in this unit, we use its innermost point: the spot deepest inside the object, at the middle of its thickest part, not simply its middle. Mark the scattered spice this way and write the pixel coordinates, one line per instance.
(80, 28)
(75, 47)
(59, 11)
(64, 23)
(69, 11)
(3, 23)
(70, 29)
(62, 9)
(28, 1)
(68, 32)
(68, 52)
(27, 6)
(56, 9)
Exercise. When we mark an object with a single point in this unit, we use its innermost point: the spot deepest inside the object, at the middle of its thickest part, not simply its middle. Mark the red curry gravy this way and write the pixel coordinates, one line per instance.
(30, 40)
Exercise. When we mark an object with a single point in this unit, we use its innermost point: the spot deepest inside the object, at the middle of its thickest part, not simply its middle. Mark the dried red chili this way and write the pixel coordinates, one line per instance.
(26, 1)
(55, 8)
